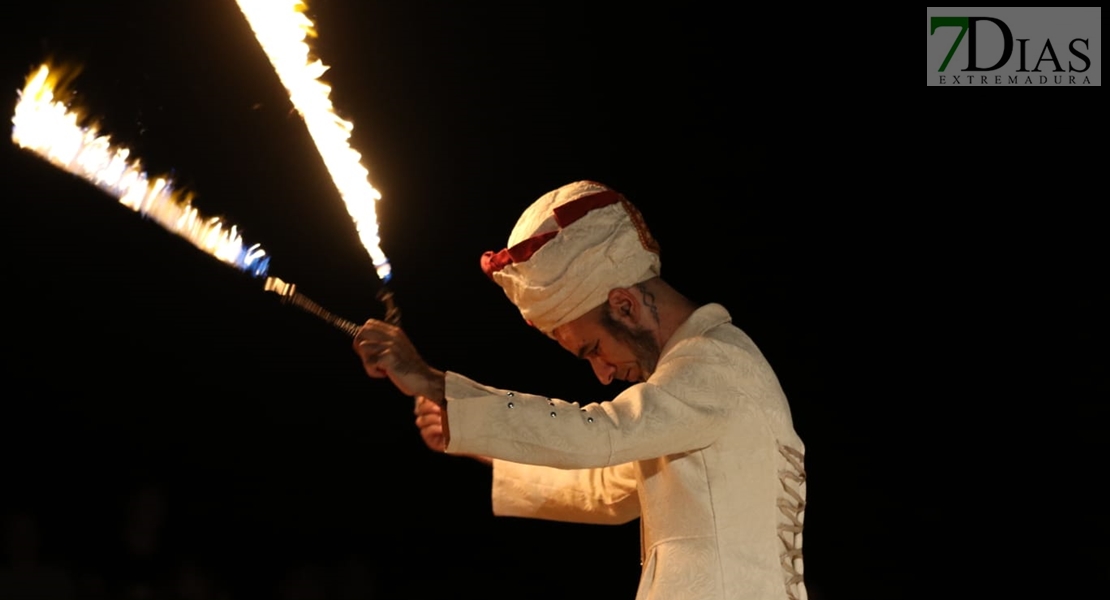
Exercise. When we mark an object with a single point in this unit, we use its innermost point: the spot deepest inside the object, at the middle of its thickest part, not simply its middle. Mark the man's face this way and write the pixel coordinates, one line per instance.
(615, 350)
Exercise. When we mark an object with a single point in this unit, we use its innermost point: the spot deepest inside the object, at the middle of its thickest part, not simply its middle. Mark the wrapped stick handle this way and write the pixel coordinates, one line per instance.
(290, 295)
(392, 313)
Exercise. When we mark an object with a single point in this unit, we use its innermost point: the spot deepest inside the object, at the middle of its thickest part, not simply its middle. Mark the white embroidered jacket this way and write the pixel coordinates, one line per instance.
(704, 453)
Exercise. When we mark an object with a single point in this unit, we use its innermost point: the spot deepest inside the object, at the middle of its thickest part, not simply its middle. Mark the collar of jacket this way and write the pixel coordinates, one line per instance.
(701, 320)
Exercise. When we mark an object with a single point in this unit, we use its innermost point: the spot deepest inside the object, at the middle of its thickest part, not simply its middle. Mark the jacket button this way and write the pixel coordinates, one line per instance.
(589, 419)
(510, 405)
(553, 413)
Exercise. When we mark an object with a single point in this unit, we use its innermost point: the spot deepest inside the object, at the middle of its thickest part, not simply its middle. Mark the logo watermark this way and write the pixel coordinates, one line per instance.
(1016, 46)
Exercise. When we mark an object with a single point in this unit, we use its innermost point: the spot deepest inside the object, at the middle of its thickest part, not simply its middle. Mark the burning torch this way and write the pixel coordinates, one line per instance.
(51, 129)
(281, 29)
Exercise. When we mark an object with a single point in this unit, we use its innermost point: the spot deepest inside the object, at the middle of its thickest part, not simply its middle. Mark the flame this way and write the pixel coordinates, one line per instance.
(48, 128)
(280, 26)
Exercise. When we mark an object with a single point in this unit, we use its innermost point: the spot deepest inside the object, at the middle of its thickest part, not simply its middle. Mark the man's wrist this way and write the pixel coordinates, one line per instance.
(436, 387)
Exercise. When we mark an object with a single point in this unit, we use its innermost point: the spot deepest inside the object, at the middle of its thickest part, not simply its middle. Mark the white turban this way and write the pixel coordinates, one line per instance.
(568, 250)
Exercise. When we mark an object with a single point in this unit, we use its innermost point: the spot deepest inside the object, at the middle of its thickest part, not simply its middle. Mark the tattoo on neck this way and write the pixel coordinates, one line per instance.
(649, 301)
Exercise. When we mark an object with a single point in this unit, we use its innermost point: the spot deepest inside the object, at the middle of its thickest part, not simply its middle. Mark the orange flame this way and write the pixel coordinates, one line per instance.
(50, 129)
(280, 26)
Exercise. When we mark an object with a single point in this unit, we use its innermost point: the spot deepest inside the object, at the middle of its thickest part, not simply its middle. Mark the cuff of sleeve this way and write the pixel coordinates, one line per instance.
(464, 419)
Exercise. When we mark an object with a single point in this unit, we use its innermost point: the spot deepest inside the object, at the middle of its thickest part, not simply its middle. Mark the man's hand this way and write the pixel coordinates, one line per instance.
(432, 424)
(431, 419)
(386, 351)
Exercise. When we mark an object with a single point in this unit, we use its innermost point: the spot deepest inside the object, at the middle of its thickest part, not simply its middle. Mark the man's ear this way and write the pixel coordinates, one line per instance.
(624, 307)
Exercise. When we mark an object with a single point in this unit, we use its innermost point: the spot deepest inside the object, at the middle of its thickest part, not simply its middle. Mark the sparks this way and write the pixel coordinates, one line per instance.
(50, 129)
(280, 26)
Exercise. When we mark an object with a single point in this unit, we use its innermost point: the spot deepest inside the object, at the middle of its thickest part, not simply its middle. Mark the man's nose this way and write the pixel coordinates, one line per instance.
(603, 370)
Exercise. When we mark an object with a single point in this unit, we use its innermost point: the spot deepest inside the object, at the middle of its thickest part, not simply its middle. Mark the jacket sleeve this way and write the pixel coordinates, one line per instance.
(605, 496)
(683, 406)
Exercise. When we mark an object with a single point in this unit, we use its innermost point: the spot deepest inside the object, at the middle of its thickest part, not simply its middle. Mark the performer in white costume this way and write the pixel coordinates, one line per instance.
(701, 448)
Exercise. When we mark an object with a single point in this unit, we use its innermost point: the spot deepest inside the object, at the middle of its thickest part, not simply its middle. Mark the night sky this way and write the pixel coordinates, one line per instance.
(135, 358)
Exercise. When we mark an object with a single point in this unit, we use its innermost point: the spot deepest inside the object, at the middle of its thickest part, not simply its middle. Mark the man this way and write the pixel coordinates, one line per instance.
(702, 448)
